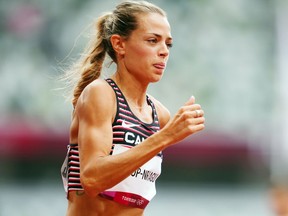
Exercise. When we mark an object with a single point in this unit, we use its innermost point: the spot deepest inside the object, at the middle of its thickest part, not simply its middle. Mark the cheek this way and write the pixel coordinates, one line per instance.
(141, 51)
(145, 52)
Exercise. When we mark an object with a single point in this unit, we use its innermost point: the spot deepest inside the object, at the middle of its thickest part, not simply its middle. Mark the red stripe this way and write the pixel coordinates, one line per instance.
(130, 199)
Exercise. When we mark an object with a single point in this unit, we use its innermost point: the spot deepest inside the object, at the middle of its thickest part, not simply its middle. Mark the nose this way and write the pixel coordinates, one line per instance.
(164, 50)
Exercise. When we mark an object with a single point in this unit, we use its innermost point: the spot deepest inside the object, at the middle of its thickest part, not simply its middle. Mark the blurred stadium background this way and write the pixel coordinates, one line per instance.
(231, 55)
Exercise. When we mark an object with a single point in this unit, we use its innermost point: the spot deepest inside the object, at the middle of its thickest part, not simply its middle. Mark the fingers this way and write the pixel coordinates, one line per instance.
(195, 110)
(192, 114)
(190, 101)
(188, 120)
(190, 110)
(196, 124)
(190, 105)
(198, 113)
(198, 127)
(196, 116)
(199, 120)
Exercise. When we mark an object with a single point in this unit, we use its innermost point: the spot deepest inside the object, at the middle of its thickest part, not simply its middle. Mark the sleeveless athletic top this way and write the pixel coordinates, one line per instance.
(128, 131)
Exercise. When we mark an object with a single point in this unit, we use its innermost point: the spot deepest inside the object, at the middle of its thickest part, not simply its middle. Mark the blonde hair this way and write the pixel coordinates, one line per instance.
(121, 21)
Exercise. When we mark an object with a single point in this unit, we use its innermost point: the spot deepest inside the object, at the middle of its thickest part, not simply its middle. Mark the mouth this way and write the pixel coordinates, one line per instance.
(159, 65)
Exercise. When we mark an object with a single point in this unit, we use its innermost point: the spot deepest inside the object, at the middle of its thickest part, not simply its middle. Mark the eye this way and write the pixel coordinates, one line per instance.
(169, 45)
(152, 40)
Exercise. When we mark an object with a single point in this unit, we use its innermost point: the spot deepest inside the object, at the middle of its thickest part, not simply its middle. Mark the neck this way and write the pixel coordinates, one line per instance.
(133, 89)
(136, 106)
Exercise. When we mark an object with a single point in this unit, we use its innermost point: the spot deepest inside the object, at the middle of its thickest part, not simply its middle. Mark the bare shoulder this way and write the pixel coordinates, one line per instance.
(98, 98)
(162, 111)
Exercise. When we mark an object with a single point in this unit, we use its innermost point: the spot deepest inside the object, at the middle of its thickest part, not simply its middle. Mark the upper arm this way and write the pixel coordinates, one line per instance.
(95, 111)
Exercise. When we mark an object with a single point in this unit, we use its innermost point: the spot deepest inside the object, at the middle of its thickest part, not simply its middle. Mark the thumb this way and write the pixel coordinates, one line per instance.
(190, 101)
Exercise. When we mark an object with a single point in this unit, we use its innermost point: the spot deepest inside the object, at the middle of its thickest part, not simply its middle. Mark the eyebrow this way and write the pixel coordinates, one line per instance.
(160, 36)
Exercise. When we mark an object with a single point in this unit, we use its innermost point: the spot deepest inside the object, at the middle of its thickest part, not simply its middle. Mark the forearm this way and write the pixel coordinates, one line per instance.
(103, 172)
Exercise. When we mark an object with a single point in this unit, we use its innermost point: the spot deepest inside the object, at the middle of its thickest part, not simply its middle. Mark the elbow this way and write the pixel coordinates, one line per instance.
(91, 184)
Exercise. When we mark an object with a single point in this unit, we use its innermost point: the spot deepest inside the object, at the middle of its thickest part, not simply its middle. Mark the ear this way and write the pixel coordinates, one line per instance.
(118, 44)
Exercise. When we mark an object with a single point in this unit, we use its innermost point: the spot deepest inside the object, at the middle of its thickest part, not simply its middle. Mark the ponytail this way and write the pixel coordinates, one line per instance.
(91, 65)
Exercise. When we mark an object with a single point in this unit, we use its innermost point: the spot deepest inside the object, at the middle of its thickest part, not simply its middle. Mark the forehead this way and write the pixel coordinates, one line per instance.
(153, 23)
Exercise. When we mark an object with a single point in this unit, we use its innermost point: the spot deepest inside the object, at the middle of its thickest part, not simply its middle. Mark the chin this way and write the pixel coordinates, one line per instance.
(156, 79)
